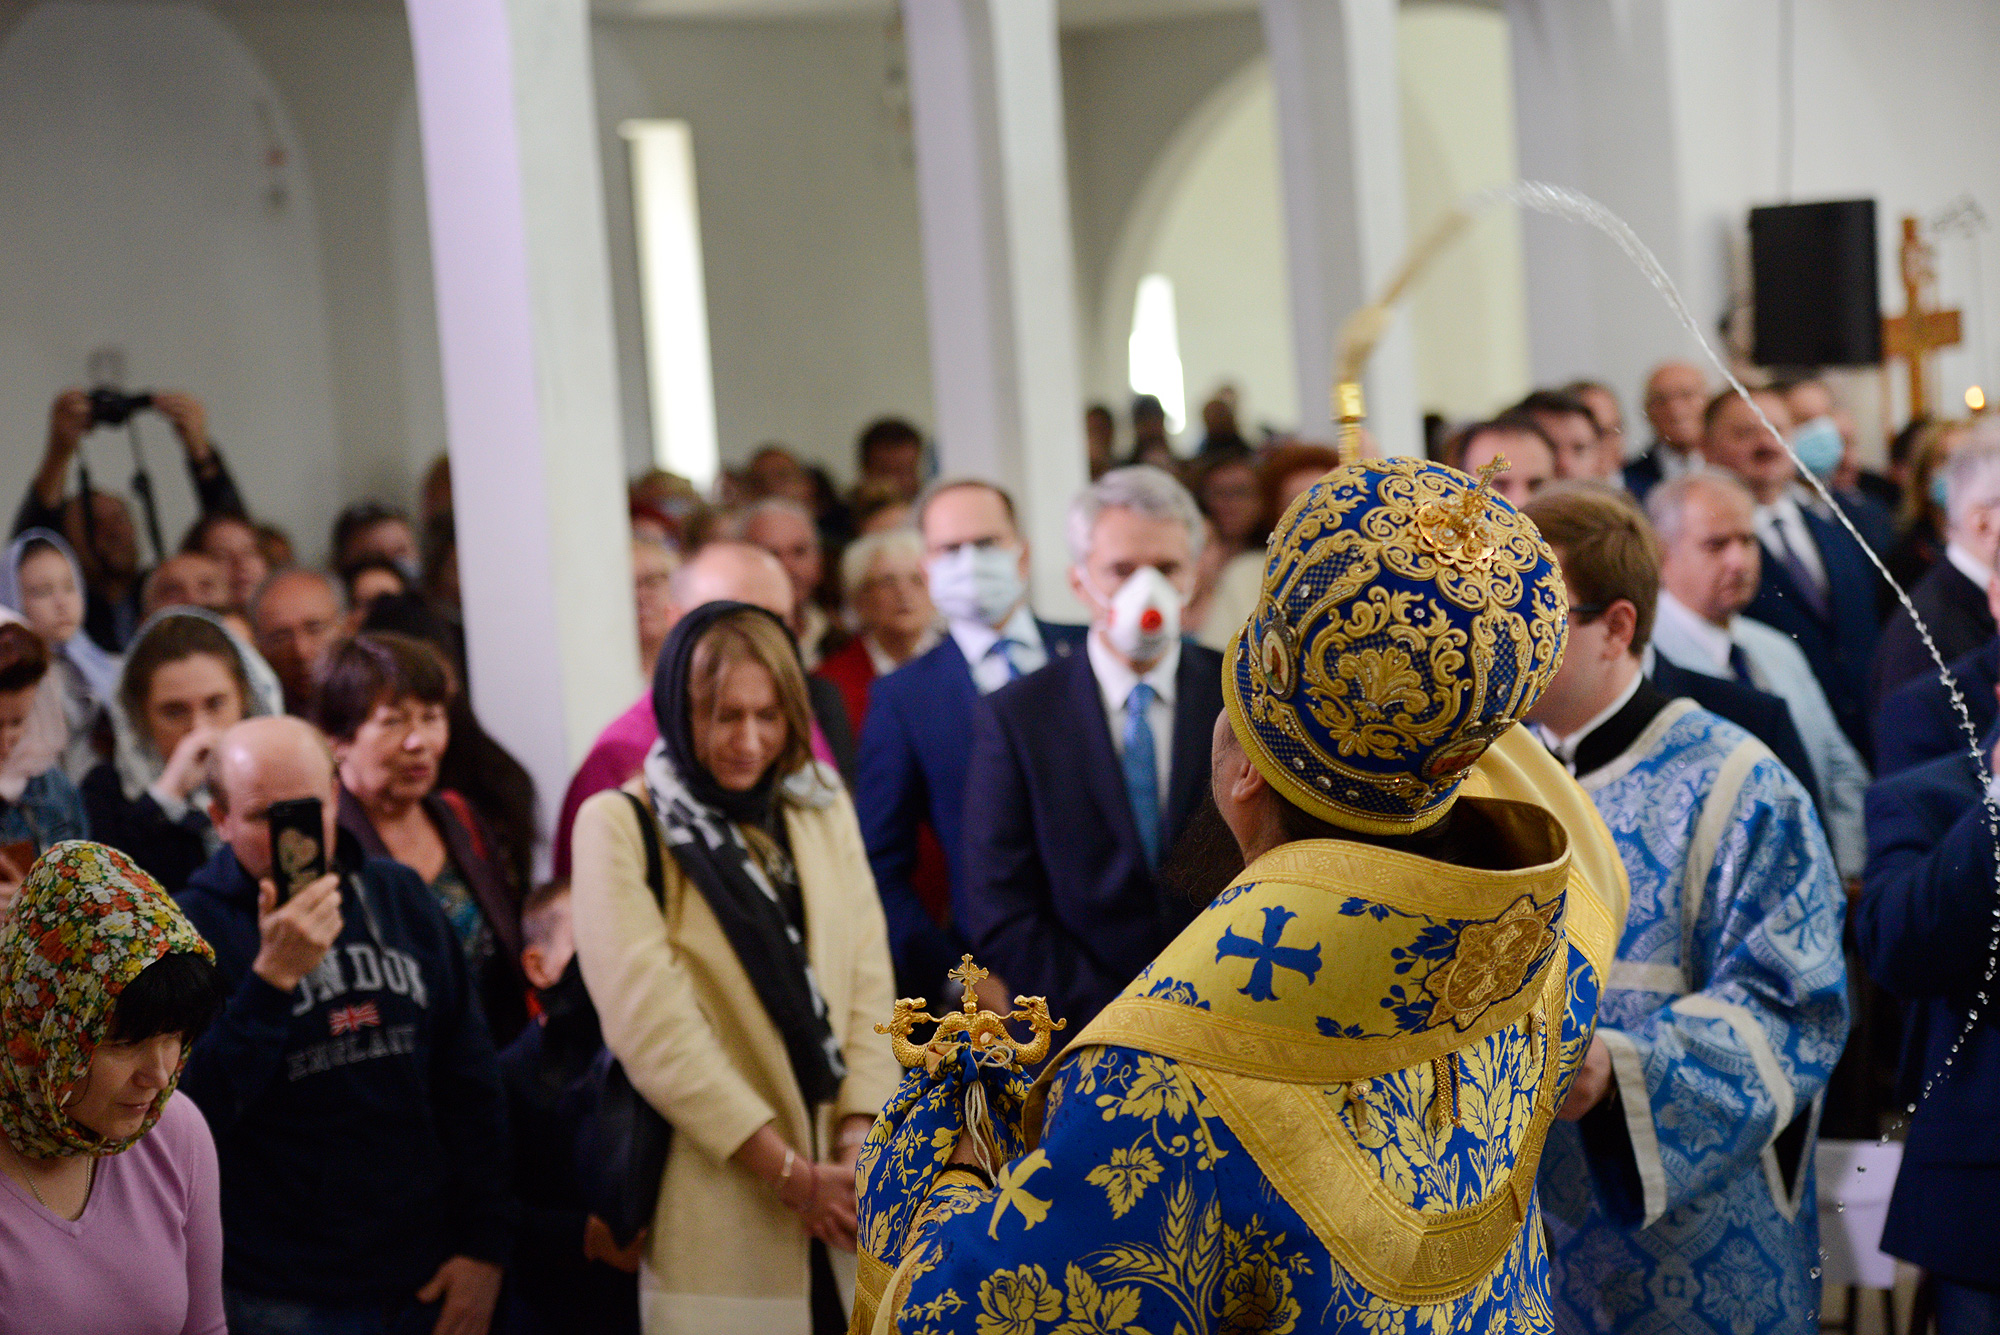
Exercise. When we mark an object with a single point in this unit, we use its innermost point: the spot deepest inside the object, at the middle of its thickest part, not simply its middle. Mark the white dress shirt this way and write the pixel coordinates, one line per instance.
(1691, 639)
(1784, 515)
(1115, 682)
(1779, 667)
(1564, 747)
(989, 670)
(1968, 564)
(1676, 462)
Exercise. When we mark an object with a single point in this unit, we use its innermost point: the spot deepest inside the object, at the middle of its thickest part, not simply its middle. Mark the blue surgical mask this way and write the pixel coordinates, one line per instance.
(1819, 446)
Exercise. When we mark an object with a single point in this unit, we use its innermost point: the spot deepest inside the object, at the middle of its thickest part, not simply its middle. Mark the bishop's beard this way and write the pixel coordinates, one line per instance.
(1204, 860)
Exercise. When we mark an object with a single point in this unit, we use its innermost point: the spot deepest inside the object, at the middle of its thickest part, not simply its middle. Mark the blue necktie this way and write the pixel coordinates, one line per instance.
(1739, 663)
(1810, 588)
(1142, 771)
(1004, 649)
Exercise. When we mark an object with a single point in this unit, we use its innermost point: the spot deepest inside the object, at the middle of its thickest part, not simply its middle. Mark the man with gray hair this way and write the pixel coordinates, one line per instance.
(1708, 573)
(785, 529)
(1952, 597)
(296, 614)
(1084, 774)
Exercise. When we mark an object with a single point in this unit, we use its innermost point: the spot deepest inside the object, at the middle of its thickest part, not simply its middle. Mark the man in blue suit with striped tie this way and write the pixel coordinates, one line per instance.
(911, 768)
(1083, 775)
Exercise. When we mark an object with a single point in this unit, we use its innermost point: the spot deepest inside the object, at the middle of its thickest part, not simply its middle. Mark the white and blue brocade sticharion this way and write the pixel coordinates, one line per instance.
(1688, 1205)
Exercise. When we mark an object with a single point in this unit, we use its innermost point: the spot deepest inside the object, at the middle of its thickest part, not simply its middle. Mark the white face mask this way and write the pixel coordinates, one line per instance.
(1143, 618)
(975, 583)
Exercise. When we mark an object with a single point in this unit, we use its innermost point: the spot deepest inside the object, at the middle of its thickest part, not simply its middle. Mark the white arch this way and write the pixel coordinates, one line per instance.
(1112, 313)
(1468, 317)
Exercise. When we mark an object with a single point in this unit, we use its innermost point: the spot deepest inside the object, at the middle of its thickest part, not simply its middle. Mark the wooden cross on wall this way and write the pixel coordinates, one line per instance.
(1920, 330)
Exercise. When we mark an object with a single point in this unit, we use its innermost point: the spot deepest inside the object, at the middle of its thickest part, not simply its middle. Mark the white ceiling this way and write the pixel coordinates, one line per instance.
(1075, 13)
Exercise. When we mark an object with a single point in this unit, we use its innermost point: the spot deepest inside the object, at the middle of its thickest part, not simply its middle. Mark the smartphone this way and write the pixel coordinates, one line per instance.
(298, 845)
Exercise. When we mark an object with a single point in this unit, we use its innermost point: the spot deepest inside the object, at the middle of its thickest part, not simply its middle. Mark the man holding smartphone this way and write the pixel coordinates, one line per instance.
(351, 1041)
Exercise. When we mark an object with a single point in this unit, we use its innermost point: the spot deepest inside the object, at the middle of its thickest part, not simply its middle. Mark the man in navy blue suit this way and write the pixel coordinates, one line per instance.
(1083, 776)
(1816, 584)
(1955, 598)
(1923, 927)
(911, 767)
(1917, 721)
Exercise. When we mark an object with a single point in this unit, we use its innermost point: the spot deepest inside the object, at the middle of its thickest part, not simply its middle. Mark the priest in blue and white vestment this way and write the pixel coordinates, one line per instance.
(1681, 1199)
(1321, 1106)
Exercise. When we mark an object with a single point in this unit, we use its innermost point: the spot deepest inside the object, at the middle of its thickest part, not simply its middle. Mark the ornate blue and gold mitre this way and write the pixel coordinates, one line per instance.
(1409, 616)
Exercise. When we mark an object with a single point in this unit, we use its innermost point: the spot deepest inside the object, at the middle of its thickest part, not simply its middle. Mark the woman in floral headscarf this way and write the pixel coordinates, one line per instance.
(110, 1219)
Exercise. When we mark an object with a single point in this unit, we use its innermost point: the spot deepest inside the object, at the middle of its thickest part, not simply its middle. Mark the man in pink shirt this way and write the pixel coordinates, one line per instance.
(719, 571)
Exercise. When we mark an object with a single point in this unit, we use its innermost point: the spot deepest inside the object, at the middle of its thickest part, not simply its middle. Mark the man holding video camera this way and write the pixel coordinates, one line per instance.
(98, 523)
(354, 1094)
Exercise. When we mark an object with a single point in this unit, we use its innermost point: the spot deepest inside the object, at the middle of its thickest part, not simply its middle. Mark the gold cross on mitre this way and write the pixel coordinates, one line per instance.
(1920, 330)
(1475, 501)
(1455, 527)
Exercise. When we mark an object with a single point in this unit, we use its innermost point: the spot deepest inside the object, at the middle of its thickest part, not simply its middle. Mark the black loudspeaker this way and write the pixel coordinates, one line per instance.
(1813, 270)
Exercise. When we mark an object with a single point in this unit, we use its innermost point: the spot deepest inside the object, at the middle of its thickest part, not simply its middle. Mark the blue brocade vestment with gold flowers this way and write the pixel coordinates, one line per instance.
(1320, 1108)
(1693, 1210)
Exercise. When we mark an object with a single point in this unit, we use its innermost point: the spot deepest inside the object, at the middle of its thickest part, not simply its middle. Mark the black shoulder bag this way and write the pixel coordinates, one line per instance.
(622, 1141)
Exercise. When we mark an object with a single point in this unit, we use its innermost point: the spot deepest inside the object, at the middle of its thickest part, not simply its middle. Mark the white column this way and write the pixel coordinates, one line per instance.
(1340, 142)
(530, 382)
(999, 285)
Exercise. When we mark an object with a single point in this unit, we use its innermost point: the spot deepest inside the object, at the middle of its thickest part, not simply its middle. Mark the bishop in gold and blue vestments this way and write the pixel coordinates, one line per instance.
(1322, 1106)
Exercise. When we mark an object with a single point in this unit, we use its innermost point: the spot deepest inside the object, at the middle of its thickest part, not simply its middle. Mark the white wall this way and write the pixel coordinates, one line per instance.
(132, 178)
(808, 222)
(345, 76)
(1893, 101)
(1668, 111)
(136, 199)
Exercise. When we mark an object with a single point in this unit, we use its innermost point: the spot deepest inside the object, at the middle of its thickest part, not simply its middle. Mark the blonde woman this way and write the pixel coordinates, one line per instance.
(744, 1013)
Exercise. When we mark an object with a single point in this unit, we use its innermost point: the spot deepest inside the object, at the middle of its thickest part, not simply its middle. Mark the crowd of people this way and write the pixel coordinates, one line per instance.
(369, 1103)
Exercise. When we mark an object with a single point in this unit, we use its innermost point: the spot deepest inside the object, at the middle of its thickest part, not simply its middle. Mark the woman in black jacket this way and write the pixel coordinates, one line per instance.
(383, 702)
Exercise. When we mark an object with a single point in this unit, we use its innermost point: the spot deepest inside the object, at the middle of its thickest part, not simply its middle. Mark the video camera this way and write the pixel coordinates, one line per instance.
(114, 407)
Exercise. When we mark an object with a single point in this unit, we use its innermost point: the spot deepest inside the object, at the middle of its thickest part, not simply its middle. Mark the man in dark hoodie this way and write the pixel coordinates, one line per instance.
(353, 1092)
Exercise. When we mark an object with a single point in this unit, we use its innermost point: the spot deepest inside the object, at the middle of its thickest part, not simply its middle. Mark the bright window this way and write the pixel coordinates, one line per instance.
(673, 298)
(1153, 352)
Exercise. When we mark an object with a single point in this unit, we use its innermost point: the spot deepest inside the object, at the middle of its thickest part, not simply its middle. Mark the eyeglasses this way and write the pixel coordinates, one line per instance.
(1585, 613)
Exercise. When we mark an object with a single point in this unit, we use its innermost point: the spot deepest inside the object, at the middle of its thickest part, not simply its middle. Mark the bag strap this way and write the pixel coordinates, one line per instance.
(462, 809)
(649, 834)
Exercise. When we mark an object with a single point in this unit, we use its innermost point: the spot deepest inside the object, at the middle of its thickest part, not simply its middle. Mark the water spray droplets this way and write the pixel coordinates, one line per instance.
(1572, 206)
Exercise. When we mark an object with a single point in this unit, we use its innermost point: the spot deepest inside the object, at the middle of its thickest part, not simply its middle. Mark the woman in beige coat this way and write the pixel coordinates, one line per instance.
(745, 1013)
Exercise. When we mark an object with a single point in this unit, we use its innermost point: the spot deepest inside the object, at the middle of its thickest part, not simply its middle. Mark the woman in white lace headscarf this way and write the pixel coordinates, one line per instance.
(187, 679)
(42, 581)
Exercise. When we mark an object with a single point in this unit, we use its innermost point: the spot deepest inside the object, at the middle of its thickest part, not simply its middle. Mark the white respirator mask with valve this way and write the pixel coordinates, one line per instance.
(1143, 618)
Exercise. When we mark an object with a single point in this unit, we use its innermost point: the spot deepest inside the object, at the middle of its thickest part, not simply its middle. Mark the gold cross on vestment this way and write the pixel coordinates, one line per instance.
(969, 976)
(1920, 330)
